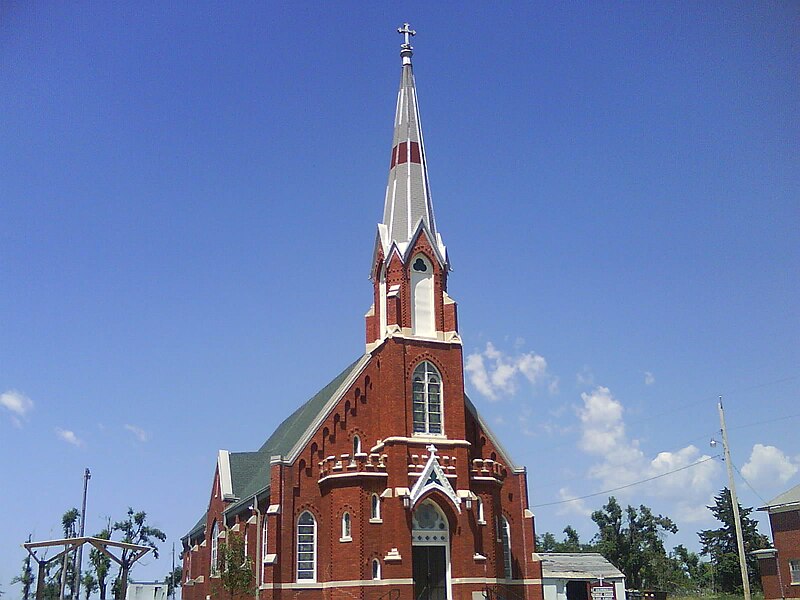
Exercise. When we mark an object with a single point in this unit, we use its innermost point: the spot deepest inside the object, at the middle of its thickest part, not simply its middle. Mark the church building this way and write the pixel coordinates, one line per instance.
(387, 483)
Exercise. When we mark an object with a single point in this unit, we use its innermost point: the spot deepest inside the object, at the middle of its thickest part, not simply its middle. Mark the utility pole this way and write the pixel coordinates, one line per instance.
(172, 573)
(79, 558)
(734, 504)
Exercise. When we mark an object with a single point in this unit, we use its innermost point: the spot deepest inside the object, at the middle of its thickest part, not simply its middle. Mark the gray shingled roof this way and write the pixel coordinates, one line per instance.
(577, 565)
(790, 497)
(198, 527)
(250, 471)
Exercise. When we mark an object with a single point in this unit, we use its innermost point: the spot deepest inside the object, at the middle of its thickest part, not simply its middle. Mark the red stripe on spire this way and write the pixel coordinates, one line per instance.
(400, 154)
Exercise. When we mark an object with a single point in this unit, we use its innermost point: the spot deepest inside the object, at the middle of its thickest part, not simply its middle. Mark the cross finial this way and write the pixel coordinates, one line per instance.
(407, 33)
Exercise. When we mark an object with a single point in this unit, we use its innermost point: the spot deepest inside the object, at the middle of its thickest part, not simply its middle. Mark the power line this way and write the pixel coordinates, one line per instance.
(748, 483)
(622, 487)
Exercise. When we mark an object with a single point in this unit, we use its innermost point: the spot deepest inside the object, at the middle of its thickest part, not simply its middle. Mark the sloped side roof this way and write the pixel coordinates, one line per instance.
(197, 529)
(577, 565)
(253, 467)
(250, 471)
(292, 429)
(790, 497)
(244, 466)
(492, 437)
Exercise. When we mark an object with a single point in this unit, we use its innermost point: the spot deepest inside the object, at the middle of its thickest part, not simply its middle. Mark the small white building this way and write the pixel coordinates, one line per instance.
(147, 590)
(580, 576)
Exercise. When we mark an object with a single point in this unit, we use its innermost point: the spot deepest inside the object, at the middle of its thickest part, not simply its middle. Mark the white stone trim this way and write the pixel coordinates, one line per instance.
(224, 470)
(356, 474)
(421, 486)
(418, 440)
(393, 556)
(480, 580)
(274, 509)
(333, 584)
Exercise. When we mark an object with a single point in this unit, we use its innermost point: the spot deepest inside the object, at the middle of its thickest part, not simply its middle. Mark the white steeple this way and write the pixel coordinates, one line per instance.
(408, 197)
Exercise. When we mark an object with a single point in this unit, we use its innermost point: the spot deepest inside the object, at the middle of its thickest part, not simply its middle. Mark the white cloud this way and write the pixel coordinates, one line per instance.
(571, 505)
(495, 373)
(585, 377)
(649, 378)
(476, 371)
(138, 432)
(69, 436)
(18, 404)
(768, 464)
(622, 461)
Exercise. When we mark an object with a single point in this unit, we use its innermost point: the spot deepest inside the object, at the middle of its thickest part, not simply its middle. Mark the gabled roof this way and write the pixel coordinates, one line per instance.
(785, 499)
(577, 565)
(250, 471)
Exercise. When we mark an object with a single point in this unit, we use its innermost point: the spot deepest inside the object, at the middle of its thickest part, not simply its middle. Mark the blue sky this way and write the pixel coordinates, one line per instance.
(188, 199)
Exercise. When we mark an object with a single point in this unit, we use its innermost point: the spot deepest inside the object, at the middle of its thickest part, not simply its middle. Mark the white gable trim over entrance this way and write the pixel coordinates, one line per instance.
(433, 478)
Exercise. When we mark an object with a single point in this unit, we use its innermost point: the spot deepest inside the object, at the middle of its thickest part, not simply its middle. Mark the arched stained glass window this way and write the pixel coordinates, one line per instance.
(505, 538)
(356, 445)
(376, 568)
(306, 547)
(375, 512)
(215, 548)
(346, 527)
(264, 539)
(427, 398)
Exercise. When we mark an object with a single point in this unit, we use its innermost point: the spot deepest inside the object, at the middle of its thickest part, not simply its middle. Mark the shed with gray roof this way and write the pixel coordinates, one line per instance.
(580, 576)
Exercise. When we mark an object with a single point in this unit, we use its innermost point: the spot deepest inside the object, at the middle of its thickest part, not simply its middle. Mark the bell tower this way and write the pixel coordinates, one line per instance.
(410, 263)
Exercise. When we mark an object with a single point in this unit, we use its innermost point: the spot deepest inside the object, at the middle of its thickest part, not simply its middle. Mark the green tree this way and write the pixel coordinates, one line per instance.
(101, 564)
(26, 578)
(236, 570)
(63, 578)
(134, 530)
(572, 542)
(697, 574)
(89, 584)
(632, 541)
(720, 545)
(173, 580)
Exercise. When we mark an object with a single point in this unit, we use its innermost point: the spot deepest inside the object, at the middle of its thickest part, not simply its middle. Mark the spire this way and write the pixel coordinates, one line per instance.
(408, 196)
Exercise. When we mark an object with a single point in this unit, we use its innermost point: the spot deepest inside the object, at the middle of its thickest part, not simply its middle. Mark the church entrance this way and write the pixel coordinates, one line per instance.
(431, 553)
(430, 573)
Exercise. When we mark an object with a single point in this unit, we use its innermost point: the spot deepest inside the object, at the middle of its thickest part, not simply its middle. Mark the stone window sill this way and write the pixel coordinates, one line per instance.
(345, 539)
(376, 520)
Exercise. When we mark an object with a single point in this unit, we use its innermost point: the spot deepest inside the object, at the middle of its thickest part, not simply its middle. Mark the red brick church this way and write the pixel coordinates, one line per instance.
(387, 483)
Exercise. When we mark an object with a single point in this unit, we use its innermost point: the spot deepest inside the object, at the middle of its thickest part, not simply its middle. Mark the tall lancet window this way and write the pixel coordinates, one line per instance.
(215, 548)
(423, 322)
(427, 391)
(505, 538)
(307, 547)
(382, 305)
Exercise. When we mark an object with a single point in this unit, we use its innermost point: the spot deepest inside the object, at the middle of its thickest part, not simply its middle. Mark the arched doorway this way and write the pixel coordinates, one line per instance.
(431, 552)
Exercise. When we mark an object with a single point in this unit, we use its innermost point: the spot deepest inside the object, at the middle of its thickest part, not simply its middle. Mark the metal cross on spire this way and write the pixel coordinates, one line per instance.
(407, 32)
